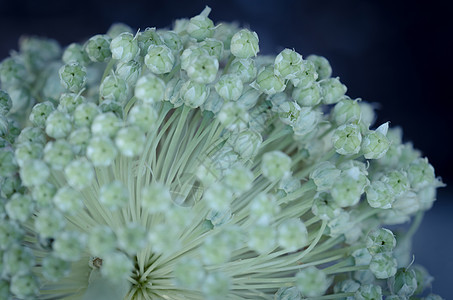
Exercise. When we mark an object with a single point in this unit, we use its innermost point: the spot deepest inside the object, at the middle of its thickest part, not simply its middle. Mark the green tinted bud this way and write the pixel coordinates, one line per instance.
(131, 238)
(322, 65)
(49, 222)
(349, 187)
(249, 97)
(147, 38)
(54, 268)
(347, 139)
(420, 174)
(150, 88)
(73, 77)
(10, 234)
(244, 44)
(19, 207)
(332, 90)
(32, 135)
(288, 64)
(194, 94)
(324, 175)
(5, 102)
(245, 69)
(58, 124)
(68, 200)
(380, 195)
(404, 283)
(308, 76)
(101, 241)
(375, 144)
(159, 59)
(18, 261)
(101, 151)
(368, 292)
(306, 122)
(262, 238)
(79, 173)
(129, 71)
(310, 96)
(267, 82)
(218, 196)
(172, 40)
(12, 72)
(288, 111)
(84, 114)
(275, 164)
(288, 293)
(11, 185)
(69, 245)
(380, 240)
(233, 116)
(216, 286)
(130, 141)
(105, 124)
(346, 111)
(34, 172)
(202, 68)
(311, 282)
(114, 88)
(43, 194)
(239, 179)
(213, 47)
(191, 53)
(27, 151)
(361, 257)
(118, 28)
(217, 249)
(398, 182)
(79, 139)
(40, 113)
(124, 47)
(58, 154)
(263, 209)
(114, 195)
(324, 207)
(74, 53)
(247, 143)
(189, 273)
(24, 286)
(229, 87)
(69, 101)
(98, 48)
(200, 26)
(383, 265)
(346, 286)
(116, 266)
(292, 234)
(156, 198)
(143, 116)
(8, 165)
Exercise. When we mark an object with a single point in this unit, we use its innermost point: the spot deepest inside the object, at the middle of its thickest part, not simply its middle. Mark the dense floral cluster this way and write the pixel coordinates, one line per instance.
(179, 164)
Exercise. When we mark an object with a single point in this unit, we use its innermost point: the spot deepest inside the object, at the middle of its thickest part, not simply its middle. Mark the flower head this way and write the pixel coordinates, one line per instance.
(178, 164)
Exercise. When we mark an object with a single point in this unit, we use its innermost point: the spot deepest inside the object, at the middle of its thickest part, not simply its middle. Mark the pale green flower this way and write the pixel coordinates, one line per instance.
(167, 166)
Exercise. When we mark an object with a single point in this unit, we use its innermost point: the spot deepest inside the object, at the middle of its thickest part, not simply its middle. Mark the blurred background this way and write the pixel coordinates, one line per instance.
(395, 53)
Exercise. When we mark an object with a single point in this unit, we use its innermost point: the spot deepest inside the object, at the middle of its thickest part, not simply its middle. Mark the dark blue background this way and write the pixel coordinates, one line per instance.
(396, 53)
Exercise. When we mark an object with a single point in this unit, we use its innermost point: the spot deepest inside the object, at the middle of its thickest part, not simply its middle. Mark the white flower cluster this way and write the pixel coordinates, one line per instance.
(179, 164)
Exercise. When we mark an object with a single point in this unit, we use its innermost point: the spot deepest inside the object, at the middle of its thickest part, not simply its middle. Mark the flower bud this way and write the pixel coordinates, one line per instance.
(244, 44)
(73, 77)
(150, 88)
(124, 47)
(98, 48)
(383, 265)
(229, 87)
(275, 164)
(311, 282)
(267, 82)
(159, 59)
(347, 139)
(288, 64)
(322, 65)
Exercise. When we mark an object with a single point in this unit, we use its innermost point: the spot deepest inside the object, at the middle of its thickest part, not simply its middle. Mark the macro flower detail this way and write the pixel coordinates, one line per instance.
(180, 164)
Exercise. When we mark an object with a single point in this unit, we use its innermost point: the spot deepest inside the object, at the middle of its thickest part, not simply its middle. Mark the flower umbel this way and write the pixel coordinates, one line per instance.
(180, 164)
